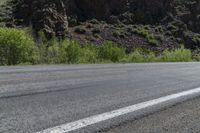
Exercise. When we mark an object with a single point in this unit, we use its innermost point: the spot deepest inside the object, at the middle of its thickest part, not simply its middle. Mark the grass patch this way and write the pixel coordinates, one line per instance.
(177, 55)
(110, 51)
(140, 55)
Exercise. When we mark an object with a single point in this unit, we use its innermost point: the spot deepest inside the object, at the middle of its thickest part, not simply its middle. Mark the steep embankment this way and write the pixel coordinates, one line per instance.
(154, 24)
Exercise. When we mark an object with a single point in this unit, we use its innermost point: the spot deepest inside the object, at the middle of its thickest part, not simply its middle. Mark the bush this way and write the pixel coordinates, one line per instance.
(196, 54)
(66, 51)
(70, 51)
(140, 55)
(145, 32)
(109, 51)
(53, 54)
(16, 47)
(177, 55)
(196, 57)
(88, 55)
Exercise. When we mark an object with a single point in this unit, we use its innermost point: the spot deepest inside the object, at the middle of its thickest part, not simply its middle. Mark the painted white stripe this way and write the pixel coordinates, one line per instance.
(65, 128)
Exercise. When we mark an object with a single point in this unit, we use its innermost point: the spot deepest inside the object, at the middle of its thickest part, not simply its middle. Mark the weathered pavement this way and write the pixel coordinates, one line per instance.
(33, 98)
(182, 118)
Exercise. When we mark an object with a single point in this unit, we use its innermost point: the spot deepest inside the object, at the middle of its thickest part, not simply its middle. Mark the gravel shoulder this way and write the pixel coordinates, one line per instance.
(181, 118)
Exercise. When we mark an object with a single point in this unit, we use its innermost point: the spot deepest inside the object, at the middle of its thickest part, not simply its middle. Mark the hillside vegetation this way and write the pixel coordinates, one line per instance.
(157, 27)
(2, 2)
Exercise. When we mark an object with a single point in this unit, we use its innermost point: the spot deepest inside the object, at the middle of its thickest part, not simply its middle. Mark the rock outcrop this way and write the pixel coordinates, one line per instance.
(50, 16)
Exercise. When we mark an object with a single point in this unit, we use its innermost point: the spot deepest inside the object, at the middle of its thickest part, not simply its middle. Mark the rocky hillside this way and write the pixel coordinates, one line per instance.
(151, 24)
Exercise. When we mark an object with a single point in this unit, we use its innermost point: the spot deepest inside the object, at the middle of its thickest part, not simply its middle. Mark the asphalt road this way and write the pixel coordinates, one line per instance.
(33, 98)
(182, 118)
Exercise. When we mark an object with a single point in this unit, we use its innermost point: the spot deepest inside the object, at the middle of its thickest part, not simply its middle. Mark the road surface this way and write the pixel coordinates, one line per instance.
(36, 98)
(182, 118)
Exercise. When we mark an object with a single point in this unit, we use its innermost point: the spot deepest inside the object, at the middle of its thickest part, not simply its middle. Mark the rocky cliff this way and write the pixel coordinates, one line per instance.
(51, 15)
(128, 22)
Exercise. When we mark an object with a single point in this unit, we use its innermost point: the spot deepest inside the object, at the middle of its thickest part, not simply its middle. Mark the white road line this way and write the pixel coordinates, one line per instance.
(65, 128)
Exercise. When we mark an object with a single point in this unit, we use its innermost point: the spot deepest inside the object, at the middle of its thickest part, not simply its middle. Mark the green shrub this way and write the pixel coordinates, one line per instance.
(53, 54)
(16, 47)
(144, 31)
(151, 39)
(44, 47)
(177, 55)
(70, 51)
(42, 50)
(136, 56)
(159, 29)
(109, 51)
(88, 54)
(196, 54)
(140, 55)
(196, 57)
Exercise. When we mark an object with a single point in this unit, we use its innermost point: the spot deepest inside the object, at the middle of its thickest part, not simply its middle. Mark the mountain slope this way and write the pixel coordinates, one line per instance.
(151, 24)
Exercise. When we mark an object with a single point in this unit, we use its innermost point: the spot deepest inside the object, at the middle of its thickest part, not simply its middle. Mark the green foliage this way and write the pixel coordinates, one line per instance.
(4, 12)
(48, 50)
(109, 51)
(66, 51)
(53, 54)
(88, 54)
(145, 32)
(196, 54)
(16, 47)
(140, 55)
(171, 27)
(71, 51)
(177, 55)
(159, 29)
(192, 38)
